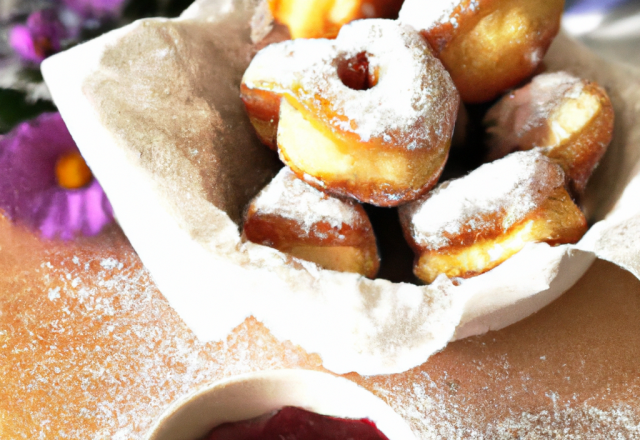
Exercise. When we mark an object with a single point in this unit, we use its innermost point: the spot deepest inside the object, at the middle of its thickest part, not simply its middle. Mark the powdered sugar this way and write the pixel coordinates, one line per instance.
(413, 105)
(513, 187)
(547, 91)
(105, 354)
(110, 263)
(429, 407)
(527, 109)
(422, 15)
(280, 65)
(289, 197)
(412, 93)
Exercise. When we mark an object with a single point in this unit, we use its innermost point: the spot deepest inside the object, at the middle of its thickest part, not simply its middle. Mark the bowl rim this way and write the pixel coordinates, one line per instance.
(265, 383)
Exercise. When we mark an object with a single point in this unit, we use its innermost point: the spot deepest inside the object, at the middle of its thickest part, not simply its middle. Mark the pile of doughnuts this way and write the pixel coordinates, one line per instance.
(369, 117)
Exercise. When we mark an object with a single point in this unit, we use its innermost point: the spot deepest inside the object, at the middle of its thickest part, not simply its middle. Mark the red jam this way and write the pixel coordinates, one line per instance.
(297, 424)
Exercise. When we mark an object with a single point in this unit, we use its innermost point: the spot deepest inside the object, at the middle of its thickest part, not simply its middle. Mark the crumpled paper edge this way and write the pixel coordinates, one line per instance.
(615, 186)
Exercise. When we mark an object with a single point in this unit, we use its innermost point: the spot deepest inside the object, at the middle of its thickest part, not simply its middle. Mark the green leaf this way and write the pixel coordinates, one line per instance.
(14, 109)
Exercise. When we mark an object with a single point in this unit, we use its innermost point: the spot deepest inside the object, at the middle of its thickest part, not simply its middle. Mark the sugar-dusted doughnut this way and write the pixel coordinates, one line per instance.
(324, 18)
(297, 219)
(468, 226)
(369, 115)
(488, 46)
(569, 119)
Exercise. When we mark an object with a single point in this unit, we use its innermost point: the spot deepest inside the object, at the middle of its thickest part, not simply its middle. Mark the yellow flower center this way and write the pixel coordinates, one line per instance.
(72, 171)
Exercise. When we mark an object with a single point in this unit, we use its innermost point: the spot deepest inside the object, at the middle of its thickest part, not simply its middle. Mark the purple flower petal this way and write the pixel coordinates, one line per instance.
(40, 37)
(74, 210)
(22, 43)
(29, 192)
(55, 220)
(98, 209)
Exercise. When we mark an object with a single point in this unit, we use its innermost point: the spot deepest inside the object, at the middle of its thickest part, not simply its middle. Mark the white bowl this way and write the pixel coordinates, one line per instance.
(252, 395)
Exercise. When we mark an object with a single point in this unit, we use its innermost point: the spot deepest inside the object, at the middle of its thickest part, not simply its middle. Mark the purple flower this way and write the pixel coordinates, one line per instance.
(97, 9)
(40, 37)
(31, 184)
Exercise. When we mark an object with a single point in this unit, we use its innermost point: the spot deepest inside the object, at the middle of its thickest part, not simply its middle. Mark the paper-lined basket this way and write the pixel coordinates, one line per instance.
(154, 109)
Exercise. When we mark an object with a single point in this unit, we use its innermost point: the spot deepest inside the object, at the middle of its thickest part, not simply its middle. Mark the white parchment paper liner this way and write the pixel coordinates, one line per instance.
(214, 281)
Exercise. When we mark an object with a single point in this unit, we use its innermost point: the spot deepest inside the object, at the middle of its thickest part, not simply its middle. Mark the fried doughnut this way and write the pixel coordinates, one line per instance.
(362, 116)
(567, 118)
(488, 46)
(468, 226)
(324, 18)
(297, 219)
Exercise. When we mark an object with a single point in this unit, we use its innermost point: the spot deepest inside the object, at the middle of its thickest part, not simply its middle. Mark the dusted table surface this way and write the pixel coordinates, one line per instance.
(90, 349)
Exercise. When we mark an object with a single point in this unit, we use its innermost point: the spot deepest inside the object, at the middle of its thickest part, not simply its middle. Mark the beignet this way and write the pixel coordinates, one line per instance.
(569, 119)
(468, 226)
(297, 219)
(488, 46)
(362, 116)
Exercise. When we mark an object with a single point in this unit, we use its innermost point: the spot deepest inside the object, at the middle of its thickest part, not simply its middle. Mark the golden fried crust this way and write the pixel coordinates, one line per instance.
(371, 172)
(379, 174)
(348, 249)
(468, 226)
(363, 117)
(557, 221)
(295, 218)
(280, 232)
(575, 128)
(324, 18)
(494, 46)
(580, 155)
(263, 108)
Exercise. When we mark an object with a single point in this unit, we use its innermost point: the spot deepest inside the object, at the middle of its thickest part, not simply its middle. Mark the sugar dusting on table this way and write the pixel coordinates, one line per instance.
(90, 349)
(427, 406)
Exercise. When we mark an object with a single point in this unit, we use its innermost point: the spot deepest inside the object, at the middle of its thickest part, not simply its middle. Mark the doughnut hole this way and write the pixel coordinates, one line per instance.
(575, 131)
(496, 45)
(557, 221)
(369, 172)
(324, 18)
(354, 72)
